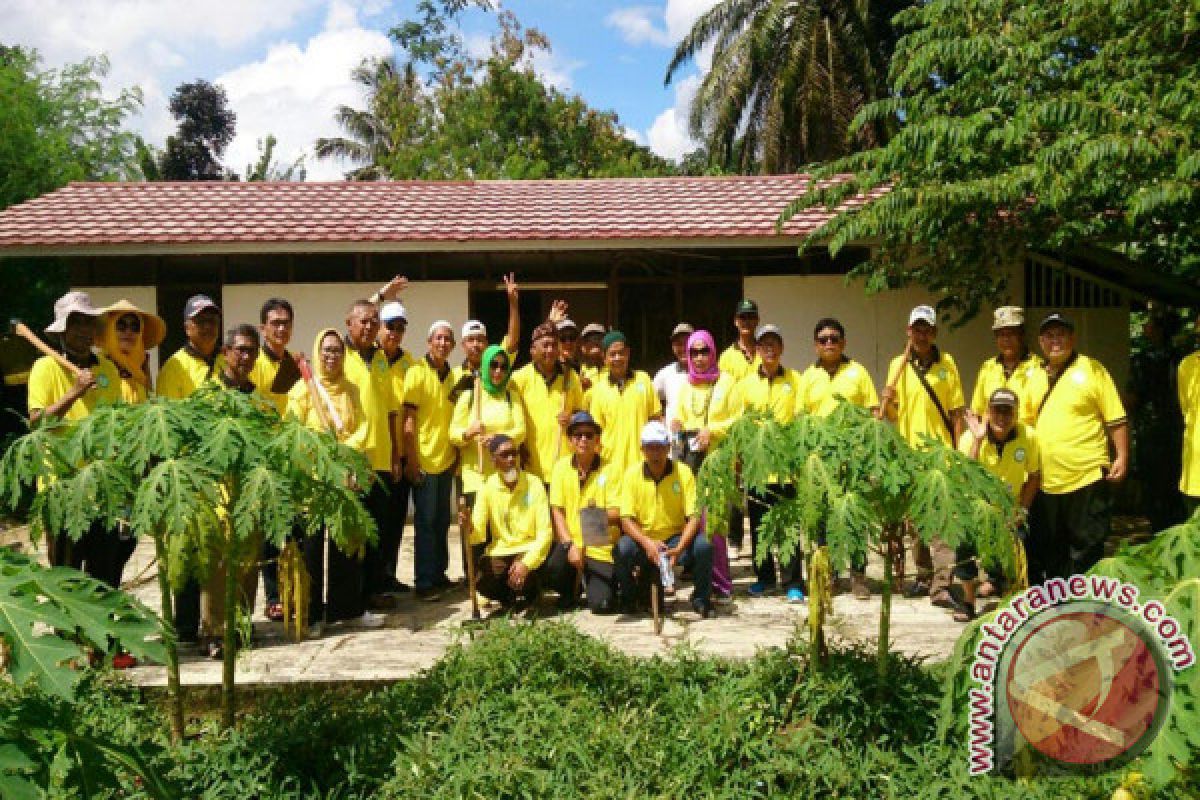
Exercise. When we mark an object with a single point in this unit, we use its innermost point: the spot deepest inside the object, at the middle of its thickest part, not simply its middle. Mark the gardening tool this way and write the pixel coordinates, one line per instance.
(477, 412)
(895, 548)
(464, 530)
(22, 330)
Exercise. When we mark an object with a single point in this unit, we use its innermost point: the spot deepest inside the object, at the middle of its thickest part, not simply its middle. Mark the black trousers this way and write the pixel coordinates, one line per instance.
(790, 574)
(599, 579)
(492, 580)
(100, 553)
(387, 503)
(1068, 531)
(335, 595)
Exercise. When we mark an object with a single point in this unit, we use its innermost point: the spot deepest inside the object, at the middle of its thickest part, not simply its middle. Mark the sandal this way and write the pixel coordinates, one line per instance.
(964, 613)
(944, 598)
(275, 612)
(917, 589)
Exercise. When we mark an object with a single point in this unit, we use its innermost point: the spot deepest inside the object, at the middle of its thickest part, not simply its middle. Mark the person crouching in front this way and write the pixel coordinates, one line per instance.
(659, 517)
(512, 517)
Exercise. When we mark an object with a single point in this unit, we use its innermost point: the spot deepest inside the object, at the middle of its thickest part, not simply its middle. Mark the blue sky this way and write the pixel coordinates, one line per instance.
(285, 63)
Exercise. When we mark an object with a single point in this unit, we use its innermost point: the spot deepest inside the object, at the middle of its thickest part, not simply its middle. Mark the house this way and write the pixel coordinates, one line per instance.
(640, 254)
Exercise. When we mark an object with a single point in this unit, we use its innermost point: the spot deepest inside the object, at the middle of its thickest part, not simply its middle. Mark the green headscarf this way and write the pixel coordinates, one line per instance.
(485, 370)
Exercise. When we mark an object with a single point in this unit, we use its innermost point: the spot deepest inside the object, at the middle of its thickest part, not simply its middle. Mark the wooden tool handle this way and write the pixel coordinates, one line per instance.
(22, 330)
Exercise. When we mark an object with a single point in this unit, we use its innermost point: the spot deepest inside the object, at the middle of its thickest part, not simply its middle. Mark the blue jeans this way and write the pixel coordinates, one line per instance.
(628, 554)
(431, 524)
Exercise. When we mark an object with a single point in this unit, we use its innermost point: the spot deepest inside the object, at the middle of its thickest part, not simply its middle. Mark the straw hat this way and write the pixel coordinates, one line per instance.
(154, 330)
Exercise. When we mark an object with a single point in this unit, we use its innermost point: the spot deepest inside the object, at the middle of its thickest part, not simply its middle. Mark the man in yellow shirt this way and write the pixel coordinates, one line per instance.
(551, 392)
(1008, 449)
(834, 376)
(1189, 402)
(428, 410)
(742, 356)
(591, 353)
(622, 401)
(660, 521)
(582, 481)
(54, 391)
(198, 361)
(927, 401)
(512, 516)
(393, 318)
(1080, 419)
(1014, 367)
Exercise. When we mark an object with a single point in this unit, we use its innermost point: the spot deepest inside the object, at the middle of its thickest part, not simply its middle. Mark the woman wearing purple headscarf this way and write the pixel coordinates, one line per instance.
(696, 408)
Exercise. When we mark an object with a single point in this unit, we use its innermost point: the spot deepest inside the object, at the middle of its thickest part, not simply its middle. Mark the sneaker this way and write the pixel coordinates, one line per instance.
(795, 595)
(369, 620)
(397, 587)
(429, 593)
(760, 589)
(704, 609)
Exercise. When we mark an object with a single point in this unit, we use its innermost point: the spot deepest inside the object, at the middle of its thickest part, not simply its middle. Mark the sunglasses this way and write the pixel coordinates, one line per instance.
(583, 435)
(504, 455)
(129, 324)
(396, 326)
(832, 338)
(499, 365)
(699, 351)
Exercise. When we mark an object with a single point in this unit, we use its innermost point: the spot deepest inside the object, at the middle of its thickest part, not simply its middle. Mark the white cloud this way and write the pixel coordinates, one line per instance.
(661, 26)
(668, 134)
(293, 91)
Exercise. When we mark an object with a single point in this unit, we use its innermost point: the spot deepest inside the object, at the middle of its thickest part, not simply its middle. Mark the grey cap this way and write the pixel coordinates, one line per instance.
(1056, 318)
(682, 329)
(593, 329)
(198, 303)
(766, 330)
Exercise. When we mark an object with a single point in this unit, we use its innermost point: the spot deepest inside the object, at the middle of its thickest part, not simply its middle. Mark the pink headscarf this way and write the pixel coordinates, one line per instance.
(702, 337)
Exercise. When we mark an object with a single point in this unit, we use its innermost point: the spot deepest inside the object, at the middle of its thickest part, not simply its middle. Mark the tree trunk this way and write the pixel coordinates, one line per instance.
(167, 609)
(229, 657)
(885, 608)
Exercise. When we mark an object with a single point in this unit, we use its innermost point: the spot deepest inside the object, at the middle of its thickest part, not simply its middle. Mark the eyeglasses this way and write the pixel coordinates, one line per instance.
(585, 435)
(396, 326)
(130, 324)
(831, 338)
(504, 455)
(699, 351)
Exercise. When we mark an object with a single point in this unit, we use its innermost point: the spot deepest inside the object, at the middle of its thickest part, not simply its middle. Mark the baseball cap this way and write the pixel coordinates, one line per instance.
(746, 308)
(473, 327)
(1057, 318)
(580, 418)
(393, 311)
(592, 329)
(1003, 397)
(567, 325)
(654, 432)
(924, 314)
(1008, 317)
(441, 323)
(197, 303)
(682, 329)
(767, 330)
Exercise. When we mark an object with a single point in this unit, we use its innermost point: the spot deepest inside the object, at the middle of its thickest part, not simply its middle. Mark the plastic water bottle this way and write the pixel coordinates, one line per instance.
(665, 573)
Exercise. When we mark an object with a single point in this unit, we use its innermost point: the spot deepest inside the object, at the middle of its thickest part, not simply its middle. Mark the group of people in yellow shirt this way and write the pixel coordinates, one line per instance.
(576, 472)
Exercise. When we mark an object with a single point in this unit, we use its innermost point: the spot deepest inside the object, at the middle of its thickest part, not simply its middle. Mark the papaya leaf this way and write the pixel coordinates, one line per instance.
(264, 505)
(154, 432)
(1176, 746)
(31, 458)
(48, 616)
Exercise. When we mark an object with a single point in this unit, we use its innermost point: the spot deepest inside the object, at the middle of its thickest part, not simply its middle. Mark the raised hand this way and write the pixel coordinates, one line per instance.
(558, 312)
(510, 287)
(394, 287)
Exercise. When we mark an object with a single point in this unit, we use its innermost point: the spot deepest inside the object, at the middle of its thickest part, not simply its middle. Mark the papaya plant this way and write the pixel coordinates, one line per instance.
(860, 484)
(205, 478)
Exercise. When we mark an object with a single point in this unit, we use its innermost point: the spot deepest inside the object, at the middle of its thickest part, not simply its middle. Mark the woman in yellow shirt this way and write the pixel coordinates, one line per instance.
(127, 334)
(336, 408)
(500, 411)
(691, 426)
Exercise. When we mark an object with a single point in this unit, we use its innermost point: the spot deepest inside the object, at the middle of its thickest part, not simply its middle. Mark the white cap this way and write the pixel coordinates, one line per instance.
(924, 314)
(71, 303)
(441, 323)
(473, 327)
(654, 432)
(392, 311)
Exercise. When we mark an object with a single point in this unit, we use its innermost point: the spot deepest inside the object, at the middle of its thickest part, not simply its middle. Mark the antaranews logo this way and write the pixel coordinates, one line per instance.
(1076, 669)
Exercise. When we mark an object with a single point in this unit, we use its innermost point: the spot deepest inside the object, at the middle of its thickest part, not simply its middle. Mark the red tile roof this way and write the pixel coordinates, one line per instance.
(409, 215)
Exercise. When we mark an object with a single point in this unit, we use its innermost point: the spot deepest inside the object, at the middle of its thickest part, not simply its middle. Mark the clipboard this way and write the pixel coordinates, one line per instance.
(593, 524)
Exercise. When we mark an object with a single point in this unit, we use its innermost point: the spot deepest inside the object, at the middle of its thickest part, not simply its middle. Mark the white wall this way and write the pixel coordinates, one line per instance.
(324, 305)
(144, 297)
(875, 325)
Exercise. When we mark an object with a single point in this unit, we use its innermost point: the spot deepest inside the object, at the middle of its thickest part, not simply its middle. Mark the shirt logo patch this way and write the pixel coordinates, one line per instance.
(1019, 455)
(676, 488)
(102, 381)
(943, 374)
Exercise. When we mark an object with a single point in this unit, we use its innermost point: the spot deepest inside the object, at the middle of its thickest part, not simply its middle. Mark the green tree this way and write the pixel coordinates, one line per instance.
(857, 481)
(266, 168)
(787, 78)
(206, 127)
(205, 478)
(1062, 126)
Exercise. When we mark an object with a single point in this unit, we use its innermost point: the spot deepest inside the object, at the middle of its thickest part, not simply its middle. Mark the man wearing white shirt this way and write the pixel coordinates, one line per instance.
(669, 379)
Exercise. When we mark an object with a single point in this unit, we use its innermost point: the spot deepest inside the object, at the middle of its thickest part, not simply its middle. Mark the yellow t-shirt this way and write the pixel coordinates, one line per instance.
(1189, 401)
(915, 412)
(819, 390)
(397, 370)
(601, 488)
(378, 403)
(724, 408)
(502, 414)
(545, 438)
(1071, 426)
(345, 400)
(184, 373)
(49, 381)
(1028, 382)
(429, 396)
(621, 413)
(733, 362)
(517, 518)
(780, 395)
(1013, 462)
(262, 374)
(661, 507)
(694, 406)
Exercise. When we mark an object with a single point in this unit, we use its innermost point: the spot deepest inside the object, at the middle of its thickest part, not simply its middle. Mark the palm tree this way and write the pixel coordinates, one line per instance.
(372, 134)
(787, 78)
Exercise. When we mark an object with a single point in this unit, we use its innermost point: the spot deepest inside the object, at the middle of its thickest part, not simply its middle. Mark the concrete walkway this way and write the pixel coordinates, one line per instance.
(418, 632)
